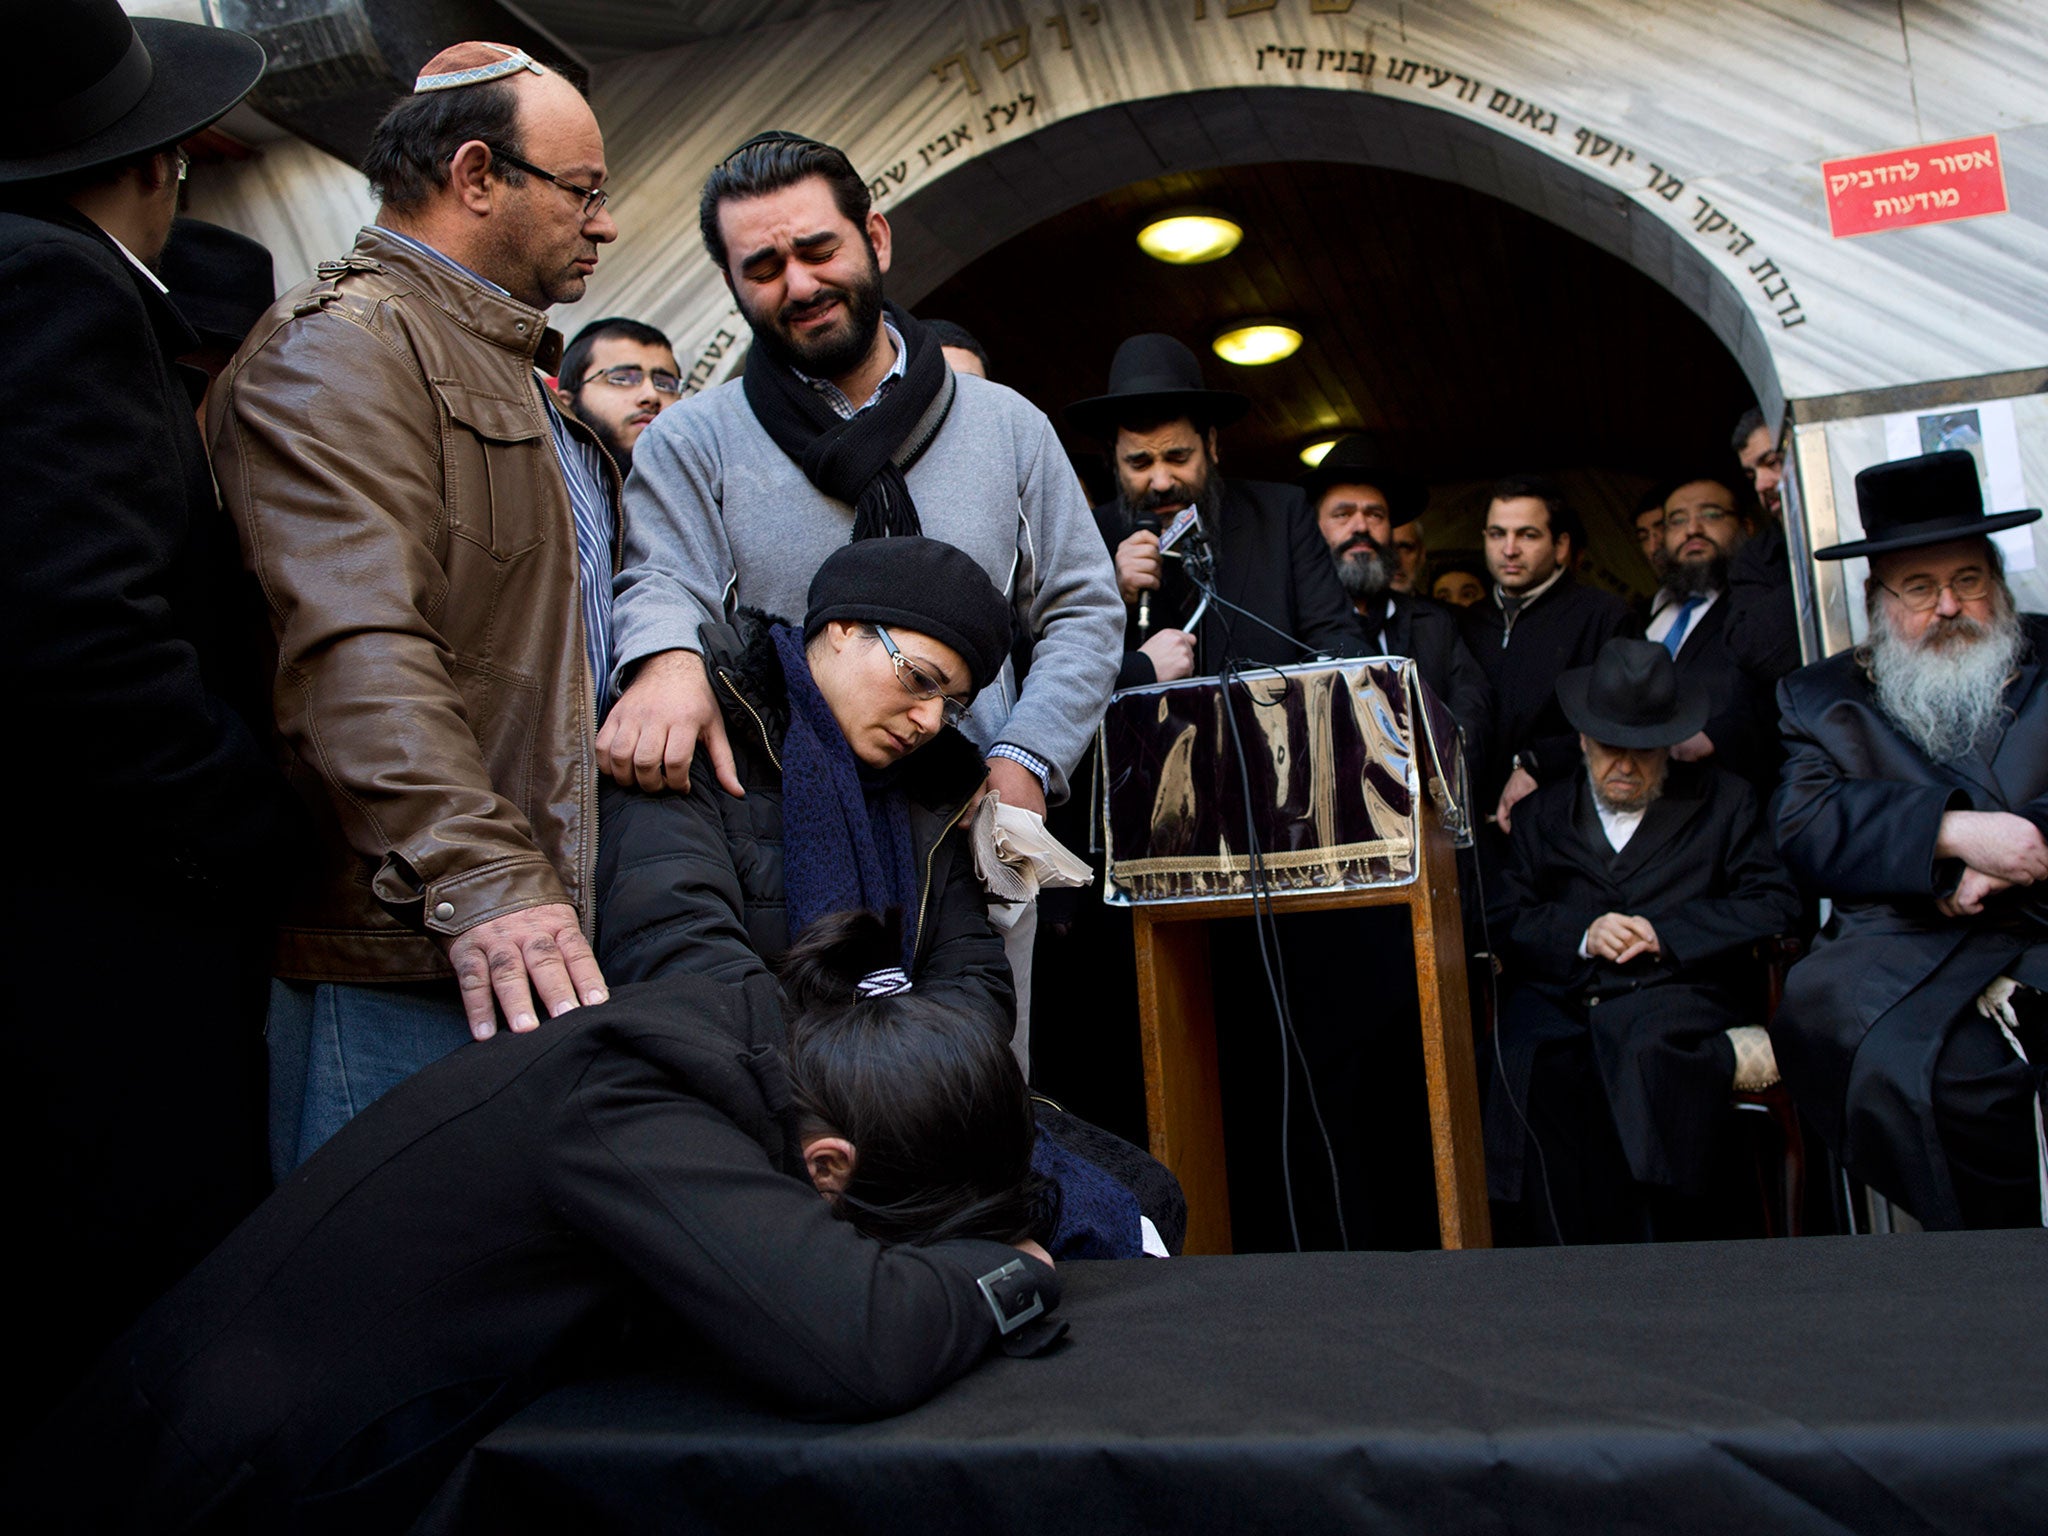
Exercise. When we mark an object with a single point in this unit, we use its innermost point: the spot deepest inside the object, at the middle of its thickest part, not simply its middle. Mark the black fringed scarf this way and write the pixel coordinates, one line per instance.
(861, 462)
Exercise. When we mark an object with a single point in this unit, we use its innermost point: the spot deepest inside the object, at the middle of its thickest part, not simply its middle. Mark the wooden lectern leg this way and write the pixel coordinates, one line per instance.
(1462, 1214)
(1183, 1093)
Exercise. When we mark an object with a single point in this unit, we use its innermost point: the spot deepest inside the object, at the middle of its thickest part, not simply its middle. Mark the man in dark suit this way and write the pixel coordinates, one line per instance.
(148, 818)
(1359, 497)
(1632, 890)
(1277, 599)
(1537, 624)
(1916, 796)
(1704, 529)
(1763, 626)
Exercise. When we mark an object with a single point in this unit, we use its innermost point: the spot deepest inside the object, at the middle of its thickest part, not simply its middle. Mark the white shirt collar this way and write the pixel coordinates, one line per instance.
(136, 262)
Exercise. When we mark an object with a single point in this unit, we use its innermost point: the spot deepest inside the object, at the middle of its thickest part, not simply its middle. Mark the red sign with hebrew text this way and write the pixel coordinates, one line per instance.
(1931, 184)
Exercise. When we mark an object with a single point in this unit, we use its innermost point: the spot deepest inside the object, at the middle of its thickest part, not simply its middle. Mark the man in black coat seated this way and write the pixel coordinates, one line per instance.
(1535, 625)
(639, 1183)
(1632, 891)
(1916, 796)
(1359, 498)
(1277, 599)
(1704, 530)
(149, 830)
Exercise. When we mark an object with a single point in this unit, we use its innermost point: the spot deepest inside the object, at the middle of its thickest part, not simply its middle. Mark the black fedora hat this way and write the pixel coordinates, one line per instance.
(1926, 500)
(85, 86)
(221, 281)
(1361, 459)
(1154, 375)
(1631, 697)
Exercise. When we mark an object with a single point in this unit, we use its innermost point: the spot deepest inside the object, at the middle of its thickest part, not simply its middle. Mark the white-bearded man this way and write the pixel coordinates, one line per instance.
(1915, 797)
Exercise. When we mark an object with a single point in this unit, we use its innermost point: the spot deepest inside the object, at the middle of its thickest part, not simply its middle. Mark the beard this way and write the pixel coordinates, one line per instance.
(1639, 800)
(1696, 578)
(1943, 689)
(836, 353)
(1208, 500)
(1364, 570)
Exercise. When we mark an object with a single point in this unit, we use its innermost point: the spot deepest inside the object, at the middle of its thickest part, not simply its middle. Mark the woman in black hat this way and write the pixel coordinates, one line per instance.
(857, 786)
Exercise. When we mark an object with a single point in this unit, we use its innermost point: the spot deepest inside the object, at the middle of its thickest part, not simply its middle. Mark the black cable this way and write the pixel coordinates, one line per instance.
(1276, 986)
(1500, 1064)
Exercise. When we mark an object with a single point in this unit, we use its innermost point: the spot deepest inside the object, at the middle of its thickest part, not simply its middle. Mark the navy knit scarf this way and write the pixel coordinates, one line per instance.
(846, 843)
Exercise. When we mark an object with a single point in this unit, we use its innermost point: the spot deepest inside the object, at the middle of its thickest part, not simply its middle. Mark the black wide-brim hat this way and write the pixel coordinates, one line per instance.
(1155, 376)
(85, 86)
(1931, 499)
(1361, 459)
(1632, 697)
(220, 281)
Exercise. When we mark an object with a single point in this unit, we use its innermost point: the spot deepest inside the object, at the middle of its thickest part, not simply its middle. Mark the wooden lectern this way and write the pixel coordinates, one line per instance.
(1341, 764)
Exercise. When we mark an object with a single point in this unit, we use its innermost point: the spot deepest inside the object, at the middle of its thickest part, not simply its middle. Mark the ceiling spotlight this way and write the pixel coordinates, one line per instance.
(1313, 454)
(1191, 236)
(1256, 343)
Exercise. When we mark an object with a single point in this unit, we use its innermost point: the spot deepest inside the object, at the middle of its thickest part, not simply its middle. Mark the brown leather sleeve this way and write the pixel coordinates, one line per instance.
(328, 444)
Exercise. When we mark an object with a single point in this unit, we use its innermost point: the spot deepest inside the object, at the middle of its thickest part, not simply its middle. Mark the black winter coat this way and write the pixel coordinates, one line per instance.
(479, 1234)
(1702, 869)
(1562, 629)
(1270, 560)
(1868, 1010)
(694, 883)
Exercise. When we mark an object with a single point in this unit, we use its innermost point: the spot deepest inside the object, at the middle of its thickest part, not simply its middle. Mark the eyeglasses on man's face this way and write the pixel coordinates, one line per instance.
(1703, 519)
(918, 683)
(594, 198)
(1921, 593)
(630, 375)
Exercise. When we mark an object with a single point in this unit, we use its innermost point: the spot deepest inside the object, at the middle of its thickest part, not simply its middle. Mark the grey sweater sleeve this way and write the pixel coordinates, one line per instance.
(1075, 616)
(676, 565)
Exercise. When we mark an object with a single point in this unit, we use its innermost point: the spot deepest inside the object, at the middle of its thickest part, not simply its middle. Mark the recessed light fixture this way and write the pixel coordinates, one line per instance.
(1256, 343)
(1314, 453)
(1190, 236)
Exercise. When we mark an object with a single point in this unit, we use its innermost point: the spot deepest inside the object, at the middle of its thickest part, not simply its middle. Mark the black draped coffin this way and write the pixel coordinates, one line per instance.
(1895, 1384)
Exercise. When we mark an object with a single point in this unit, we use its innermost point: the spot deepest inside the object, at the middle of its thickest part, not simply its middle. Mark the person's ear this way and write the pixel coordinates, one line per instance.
(565, 400)
(829, 1160)
(1215, 453)
(881, 238)
(469, 176)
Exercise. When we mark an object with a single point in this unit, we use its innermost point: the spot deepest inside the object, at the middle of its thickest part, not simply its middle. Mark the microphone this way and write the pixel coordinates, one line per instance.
(1145, 522)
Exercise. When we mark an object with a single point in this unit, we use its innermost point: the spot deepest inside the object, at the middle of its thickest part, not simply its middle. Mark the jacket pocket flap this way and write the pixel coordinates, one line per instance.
(490, 416)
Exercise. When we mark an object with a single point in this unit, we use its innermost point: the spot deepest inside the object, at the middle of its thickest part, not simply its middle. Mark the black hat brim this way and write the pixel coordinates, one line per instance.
(1407, 497)
(198, 74)
(1101, 415)
(1688, 716)
(1940, 531)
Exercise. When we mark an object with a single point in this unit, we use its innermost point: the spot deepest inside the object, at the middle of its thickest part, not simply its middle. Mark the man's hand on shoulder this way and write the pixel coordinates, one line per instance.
(652, 733)
(502, 963)
(1520, 785)
(1695, 748)
(1995, 843)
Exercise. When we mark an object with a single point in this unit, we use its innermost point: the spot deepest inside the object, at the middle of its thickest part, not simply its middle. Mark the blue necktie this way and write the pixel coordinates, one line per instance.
(1674, 637)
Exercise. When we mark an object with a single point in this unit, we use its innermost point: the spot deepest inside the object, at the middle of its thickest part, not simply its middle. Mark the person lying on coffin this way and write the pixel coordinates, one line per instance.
(638, 1183)
(858, 786)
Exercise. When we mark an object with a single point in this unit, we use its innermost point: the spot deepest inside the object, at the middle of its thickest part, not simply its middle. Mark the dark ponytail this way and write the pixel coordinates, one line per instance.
(932, 1100)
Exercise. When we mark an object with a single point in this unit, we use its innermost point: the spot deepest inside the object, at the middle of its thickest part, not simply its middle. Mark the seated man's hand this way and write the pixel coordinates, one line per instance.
(1618, 938)
(1173, 654)
(1967, 900)
(1035, 1250)
(1137, 565)
(1695, 747)
(1994, 843)
(652, 733)
(1520, 785)
(495, 962)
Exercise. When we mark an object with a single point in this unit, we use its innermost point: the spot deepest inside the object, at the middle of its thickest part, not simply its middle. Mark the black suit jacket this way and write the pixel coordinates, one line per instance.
(1271, 561)
(1427, 632)
(130, 639)
(1562, 629)
(1867, 1011)
(1741, 719)
(1702, 869)
(470, 1238)
(1763, 628)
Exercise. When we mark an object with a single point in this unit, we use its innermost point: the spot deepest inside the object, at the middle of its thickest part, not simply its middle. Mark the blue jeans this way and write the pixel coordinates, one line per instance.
(337, 1049)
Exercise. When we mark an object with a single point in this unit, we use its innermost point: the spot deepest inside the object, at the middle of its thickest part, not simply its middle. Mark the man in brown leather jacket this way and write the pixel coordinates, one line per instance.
(435, 541)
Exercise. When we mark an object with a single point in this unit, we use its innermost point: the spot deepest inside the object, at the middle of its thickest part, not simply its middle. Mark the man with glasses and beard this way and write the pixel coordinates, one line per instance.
(1915, 797)
(1703, 529)
(1277, 598)
(617, 376)
(1361, 502)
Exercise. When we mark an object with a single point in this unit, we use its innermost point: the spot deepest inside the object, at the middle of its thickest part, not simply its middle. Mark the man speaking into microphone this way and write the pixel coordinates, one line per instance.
(1271, 567)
